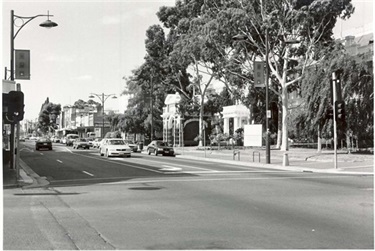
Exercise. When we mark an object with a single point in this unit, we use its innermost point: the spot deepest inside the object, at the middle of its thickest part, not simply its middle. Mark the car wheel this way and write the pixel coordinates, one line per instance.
(149, 151)
(50, 148)
(100, 152)
(106, 154)
(36, 148)
(156, 152)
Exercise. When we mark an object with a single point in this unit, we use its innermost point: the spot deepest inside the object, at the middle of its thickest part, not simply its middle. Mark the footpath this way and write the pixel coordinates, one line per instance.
(296, 159)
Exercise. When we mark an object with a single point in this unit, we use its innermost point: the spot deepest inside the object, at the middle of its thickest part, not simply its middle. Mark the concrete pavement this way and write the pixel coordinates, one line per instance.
(296, 159)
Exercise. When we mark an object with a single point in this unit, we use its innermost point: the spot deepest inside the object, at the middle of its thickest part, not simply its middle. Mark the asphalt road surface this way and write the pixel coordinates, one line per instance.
(155, 202)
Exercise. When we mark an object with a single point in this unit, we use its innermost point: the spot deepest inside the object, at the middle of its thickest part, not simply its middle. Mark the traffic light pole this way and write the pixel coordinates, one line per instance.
(17, 162)
(334, 98)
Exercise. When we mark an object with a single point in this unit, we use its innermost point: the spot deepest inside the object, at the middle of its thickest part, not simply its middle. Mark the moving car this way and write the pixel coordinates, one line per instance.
(90, 141)
(43, 143)
(96, 142)
(81, 143)
(69, 139)
(161, 147)
(132, 145)
(114, 147)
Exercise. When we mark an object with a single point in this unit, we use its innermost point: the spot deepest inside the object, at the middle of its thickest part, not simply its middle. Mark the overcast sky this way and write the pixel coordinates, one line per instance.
(95, 44)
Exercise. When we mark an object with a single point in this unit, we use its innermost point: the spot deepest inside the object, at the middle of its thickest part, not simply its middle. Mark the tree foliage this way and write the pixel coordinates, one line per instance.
(48, 115)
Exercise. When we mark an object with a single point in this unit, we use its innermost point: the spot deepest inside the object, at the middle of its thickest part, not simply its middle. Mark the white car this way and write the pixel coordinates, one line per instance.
(115, 147)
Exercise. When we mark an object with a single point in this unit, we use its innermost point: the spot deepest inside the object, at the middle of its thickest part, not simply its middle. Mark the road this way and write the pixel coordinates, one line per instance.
(155, 202)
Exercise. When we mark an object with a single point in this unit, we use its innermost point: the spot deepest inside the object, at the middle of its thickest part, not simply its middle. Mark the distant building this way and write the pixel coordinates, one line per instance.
(82, 121)
(360, 45)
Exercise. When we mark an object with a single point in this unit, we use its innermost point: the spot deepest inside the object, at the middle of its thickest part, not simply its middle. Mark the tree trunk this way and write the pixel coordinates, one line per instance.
(284, 121)
(201, 123)
(319, 139)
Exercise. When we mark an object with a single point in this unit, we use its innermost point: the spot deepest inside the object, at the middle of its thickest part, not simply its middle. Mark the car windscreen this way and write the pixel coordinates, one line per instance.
(116, 142)
(162, 144)
(43, 140)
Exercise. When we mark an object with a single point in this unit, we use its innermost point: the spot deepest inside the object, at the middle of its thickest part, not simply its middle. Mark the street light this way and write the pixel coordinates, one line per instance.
(25, 20)
(102, 97)
(241, 37)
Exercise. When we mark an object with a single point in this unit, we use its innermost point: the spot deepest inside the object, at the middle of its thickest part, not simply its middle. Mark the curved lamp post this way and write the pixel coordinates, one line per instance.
(25, 20)
(102, 97)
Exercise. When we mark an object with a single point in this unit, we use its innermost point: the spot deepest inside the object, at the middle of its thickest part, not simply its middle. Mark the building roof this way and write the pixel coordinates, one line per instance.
(364, 39)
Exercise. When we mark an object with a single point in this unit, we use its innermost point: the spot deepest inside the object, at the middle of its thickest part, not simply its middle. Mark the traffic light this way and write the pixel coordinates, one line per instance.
(340, 111)
(329, 112)
(22, 64)
(15, 105)
(259, 74)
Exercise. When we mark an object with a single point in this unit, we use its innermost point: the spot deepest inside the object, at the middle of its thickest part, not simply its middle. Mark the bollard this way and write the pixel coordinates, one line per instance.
(285, 160)
(235, 153)
(258, 155)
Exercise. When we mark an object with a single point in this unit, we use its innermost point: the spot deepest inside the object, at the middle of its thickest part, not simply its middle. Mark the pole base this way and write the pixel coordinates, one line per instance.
(285, 160)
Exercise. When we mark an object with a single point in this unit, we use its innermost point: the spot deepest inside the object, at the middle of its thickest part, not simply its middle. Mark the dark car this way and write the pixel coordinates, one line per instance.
(132, 145)
(43, 143)
(159, 147)
(81, 143)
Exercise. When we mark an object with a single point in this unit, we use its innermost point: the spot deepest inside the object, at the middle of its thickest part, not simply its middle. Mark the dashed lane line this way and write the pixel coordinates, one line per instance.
(59, 161)
(92, 175)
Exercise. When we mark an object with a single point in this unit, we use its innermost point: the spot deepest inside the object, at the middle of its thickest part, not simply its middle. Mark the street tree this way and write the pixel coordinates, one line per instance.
(48, 115)
(277, 25)
(356, 80)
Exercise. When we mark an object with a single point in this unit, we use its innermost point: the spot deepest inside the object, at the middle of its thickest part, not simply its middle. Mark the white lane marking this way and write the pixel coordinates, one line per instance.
(88, 173)
(170, 168)
(41, 153)
(59, 161)
(225, 172)
(174, 165)
(220, 179)
(25, 148)
(118, 163)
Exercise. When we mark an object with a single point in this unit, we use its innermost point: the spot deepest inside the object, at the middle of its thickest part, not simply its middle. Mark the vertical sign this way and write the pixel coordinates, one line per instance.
(22, 64)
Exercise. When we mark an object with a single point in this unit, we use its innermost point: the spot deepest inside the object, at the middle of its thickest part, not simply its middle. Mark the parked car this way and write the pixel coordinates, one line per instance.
(114, 147)
(69, 139)
(43, 143)
(81, 143)
(96, 142)
(159, 147)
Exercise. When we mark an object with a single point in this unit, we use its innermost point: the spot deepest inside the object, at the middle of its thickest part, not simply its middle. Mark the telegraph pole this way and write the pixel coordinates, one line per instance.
(334, 95)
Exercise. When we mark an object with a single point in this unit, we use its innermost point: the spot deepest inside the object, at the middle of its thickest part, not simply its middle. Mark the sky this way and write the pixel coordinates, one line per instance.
(96, 44)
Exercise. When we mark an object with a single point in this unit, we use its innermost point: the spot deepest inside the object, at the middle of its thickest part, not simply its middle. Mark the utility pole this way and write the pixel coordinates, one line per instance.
(151, 109)
(334, 95)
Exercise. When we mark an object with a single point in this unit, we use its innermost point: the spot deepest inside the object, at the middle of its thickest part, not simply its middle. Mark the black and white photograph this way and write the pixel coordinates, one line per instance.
(187, 125)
